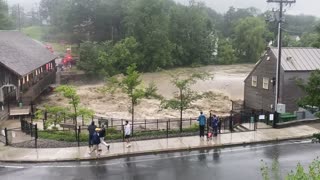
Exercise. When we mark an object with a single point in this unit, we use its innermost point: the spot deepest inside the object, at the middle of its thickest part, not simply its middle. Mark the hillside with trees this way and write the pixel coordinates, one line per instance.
(157, 34)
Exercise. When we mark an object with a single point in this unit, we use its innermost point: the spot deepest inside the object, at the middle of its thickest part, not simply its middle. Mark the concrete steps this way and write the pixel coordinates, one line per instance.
(240, 128)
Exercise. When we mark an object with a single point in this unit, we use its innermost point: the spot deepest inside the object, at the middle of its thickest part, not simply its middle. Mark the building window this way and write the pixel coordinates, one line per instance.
(265, 83)
(254, 81)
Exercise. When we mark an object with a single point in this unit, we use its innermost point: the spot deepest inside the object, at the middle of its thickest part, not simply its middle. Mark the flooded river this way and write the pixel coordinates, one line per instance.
(226, 84)
(227, 79)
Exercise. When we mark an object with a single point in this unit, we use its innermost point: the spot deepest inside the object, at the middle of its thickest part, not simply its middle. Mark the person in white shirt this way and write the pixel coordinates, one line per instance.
(127, 133)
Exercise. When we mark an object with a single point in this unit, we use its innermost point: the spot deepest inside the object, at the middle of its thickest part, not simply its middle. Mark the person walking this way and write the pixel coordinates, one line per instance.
(91, 129)
(95, 141)
(215, 125)
(102, 134)
(127, 133)
(202, 124)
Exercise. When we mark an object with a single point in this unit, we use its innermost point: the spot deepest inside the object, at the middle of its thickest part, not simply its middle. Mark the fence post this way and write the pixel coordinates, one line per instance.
(36, 135)
(82, 120)
(167, 129)
(145, 124)
(190, 122)
(79, 131)
(112, 122)
(76, 131)
(21, 123)
(122, 130)
(256, 117)
(107, 124)
(30, 126)
(46, 115)
(169, 124)
(6, 136)
(157, 124)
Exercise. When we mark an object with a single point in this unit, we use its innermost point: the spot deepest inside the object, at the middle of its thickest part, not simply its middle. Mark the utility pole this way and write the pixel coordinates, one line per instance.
(19, 18)
(280, 20)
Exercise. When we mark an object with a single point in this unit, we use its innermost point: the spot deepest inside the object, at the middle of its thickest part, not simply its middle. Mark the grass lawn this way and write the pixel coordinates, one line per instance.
(35, 32)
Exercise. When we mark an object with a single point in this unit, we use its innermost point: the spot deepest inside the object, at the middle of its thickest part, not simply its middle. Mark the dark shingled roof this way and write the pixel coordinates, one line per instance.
(22, 54)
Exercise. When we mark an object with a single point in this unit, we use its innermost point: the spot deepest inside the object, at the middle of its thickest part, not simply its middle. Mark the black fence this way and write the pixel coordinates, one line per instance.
(141, 128)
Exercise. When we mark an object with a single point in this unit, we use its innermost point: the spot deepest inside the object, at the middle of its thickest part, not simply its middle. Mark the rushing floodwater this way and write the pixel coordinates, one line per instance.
(228, 79)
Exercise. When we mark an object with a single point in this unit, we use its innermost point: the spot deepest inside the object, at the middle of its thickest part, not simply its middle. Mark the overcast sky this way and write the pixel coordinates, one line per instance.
(310, 7)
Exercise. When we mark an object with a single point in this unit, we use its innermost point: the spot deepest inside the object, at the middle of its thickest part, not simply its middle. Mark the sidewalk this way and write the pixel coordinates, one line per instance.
(10, 154)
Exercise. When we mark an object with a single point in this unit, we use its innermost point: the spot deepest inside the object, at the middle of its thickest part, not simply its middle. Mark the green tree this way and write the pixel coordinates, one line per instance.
(105, 59)
(232, 16)
(184, 98)
(309, 39)
(192, 34)
(312, 88)
(5, 22)
(148, 22)
(226, 54)
(70, 93)
(131, 85)
(95, 59)
(290, 41)
(248, 39)
(317, 43)
(124, 53)
(299, 173)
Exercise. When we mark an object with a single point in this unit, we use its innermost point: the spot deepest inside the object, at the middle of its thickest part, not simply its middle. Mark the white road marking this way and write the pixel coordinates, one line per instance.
(154, 159)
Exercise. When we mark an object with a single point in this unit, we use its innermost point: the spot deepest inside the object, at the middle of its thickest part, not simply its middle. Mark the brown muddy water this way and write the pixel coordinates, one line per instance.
(226, 83)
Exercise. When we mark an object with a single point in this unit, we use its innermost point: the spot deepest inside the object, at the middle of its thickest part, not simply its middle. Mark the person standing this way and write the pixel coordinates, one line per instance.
(202, 124)
(92, 130)
(102, 134)
(127, 133)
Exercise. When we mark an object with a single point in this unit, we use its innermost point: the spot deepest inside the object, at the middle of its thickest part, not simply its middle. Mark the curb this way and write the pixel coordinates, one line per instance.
(116, 156)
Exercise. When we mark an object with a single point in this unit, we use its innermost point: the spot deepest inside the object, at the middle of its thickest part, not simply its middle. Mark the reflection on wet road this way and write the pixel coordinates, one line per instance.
(230, 163)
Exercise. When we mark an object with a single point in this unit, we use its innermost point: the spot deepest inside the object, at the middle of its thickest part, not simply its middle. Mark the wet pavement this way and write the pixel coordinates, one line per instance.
(226, 163)
(154, 146)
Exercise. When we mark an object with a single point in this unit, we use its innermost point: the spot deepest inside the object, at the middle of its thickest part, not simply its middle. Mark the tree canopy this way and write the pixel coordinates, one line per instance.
(312, 88)
(5, 22)
(160, 34)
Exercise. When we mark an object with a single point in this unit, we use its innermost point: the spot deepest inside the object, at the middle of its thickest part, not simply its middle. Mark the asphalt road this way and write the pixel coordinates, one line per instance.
(229, 163)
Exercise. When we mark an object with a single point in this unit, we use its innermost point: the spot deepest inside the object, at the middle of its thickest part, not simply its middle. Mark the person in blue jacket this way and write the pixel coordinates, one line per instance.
(202, 124)
(215, 125)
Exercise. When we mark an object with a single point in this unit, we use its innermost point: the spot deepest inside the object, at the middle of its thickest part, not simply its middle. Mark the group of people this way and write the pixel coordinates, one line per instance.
(97, 137)
(213, 122)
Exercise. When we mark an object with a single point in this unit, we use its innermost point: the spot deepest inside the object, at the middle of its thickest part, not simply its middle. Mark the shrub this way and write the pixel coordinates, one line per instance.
(316, 135)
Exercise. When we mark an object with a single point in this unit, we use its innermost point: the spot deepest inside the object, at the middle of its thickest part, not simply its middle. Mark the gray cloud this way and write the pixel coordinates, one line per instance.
(310, 7)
